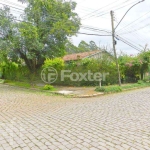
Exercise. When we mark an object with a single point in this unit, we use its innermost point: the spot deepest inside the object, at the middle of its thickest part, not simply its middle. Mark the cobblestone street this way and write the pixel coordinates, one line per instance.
(36, 121)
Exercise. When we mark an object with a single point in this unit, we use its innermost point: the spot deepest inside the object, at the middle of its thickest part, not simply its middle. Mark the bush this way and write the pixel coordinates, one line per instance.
(113, 89)
(140, 82)
(48, 87)
(56, 63)
(109, 89)
(93, 65)
(8, 70)
(100, 89)
(13, 71)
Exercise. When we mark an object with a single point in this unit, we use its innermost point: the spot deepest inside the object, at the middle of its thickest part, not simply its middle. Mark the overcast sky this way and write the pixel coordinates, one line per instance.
(96, 14)
(138, 33)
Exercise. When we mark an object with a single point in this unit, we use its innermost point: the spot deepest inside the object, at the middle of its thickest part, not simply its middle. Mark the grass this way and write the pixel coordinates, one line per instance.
(28, 85)
(109, 89)
(104, 89)
(2, 81)
(115, 88)
(19, 84)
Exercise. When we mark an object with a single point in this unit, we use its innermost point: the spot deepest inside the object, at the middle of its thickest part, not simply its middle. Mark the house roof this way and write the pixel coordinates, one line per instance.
(77, 56)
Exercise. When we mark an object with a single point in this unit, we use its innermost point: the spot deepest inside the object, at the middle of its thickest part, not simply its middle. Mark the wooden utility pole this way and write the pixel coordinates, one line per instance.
(114, 47)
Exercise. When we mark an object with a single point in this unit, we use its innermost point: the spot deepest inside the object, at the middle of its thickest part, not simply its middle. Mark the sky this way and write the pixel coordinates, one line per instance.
(134, 28)
(137, 33)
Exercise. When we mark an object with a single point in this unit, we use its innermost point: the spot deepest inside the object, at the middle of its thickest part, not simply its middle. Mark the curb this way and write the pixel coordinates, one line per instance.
(72, 95)
(88, 96)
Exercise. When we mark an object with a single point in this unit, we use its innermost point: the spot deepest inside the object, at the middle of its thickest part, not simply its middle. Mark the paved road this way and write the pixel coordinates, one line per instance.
(40, 122)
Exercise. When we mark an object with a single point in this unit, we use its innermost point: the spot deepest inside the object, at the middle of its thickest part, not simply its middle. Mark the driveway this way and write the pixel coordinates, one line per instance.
(30, 120)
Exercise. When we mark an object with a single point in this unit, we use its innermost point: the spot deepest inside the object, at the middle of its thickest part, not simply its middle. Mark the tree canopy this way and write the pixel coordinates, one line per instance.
(82, 47)
(41, 34)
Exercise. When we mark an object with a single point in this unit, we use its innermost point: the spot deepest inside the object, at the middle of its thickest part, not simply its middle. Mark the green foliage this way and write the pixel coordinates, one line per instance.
(109, 89)
(82, 47)
(100, 89)
(70, 48)
(9, 70)
(140, 82)
(56, 63)
(20, 84)
(113, 89)
(133, 68)
(94, 66)
(14, 71)
(48, 87)
(2, 81)
(38, 36)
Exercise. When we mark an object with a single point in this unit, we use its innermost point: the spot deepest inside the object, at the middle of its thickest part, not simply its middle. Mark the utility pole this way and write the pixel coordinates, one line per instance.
(114, 47)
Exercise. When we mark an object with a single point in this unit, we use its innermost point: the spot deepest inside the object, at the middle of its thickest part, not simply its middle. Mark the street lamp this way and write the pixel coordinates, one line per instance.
(127, 12)
(113, 38)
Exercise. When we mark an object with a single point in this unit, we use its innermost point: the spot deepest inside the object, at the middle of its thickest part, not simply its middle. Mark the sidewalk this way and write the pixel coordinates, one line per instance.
(77, 91)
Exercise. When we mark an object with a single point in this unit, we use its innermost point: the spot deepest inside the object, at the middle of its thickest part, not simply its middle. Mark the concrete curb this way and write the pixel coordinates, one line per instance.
(88, 96)
(73, 95)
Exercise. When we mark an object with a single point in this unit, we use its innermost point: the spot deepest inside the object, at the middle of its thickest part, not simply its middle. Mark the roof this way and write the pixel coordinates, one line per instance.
(77, 56)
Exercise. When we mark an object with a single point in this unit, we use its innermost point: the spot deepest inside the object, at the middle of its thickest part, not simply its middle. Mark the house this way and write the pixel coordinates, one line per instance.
(79, 56)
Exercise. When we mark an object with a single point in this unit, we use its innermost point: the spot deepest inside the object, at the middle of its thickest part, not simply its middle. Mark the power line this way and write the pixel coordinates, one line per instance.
(107, 11)
(82, 1)
(131, 45)
(136, 29)
(9, 2)
(132, 40)
(135, 35)
(86, 8)
(58, 19)
(91, 34)
(127, 12)
(131, 28)
(94, 28)
(11, 6)
(71, 32)
(99, 9)
(138, 37)
(128, 43)
(134, 21)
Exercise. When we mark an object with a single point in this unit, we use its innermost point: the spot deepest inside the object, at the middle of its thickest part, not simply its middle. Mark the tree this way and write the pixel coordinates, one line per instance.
(83, 46)
(70, 48)
(42, 33)
(6, 32)
(144, 58)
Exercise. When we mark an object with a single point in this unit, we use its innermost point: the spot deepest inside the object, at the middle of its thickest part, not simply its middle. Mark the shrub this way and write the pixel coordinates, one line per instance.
(8, 70)
(109, 89)
(93, 65)
(56, 63)
(48, 87)
(140, 82)
(100, 89)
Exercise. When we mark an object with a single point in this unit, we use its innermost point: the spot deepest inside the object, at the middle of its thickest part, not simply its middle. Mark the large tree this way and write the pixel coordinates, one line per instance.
(42, 33)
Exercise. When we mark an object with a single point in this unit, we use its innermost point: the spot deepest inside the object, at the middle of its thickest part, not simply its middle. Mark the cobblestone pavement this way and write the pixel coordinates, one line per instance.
(40, 122)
